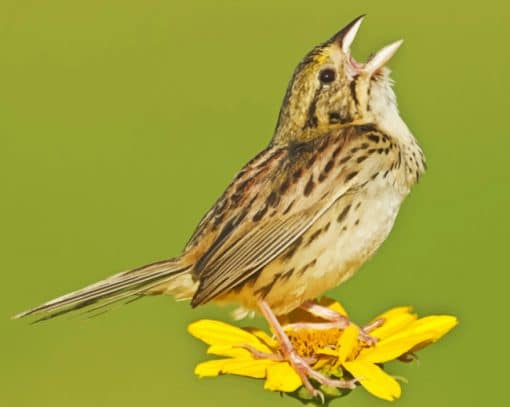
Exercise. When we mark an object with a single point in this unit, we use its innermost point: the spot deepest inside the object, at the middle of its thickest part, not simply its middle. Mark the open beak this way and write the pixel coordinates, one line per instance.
(345, 38)
(380, 58)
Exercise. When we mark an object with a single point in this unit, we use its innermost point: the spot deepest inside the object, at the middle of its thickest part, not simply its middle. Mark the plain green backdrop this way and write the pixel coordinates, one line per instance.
(122, 121)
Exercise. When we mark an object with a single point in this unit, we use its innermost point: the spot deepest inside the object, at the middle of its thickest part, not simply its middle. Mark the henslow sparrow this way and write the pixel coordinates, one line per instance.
(305, 213)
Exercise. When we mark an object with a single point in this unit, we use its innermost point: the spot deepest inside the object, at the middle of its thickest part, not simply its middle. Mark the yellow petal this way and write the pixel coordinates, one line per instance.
(324, 361)
(264, 337)
(327, 352)
(220, 333)
(229, 350)
(423, 331)
(393, 312)
(385, 351)
(282, 377)
(394, 320)
(244, 367)
(374, 379)
(436, 325)
(347, 343)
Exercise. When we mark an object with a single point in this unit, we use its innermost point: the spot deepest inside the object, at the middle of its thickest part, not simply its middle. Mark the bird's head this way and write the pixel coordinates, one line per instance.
(330, 88)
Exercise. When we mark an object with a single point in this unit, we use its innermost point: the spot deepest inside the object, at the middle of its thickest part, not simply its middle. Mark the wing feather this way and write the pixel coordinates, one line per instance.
(256, 249)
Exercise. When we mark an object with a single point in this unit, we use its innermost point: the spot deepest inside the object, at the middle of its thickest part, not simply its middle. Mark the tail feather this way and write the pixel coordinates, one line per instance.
(121, 286)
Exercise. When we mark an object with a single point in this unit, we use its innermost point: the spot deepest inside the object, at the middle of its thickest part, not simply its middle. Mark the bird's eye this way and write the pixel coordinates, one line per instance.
(327, 75)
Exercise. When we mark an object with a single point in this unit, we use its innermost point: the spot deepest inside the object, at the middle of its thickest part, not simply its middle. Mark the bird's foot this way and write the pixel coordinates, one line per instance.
(299, 364)
(364, 333)
(306, 372)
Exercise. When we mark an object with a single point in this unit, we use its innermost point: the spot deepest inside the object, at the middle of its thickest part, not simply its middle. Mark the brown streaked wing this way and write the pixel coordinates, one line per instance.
(238, 195)
(254, 250)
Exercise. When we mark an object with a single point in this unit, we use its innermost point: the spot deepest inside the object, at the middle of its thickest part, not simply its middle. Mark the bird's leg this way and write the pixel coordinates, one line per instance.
(277, 357)
(336, 320)
(302, 368)
(372, 325)
(257, 354)
(326, 313)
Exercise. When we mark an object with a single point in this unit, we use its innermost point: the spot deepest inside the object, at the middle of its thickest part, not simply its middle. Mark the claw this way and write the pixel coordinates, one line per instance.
(368, 339)
(306, 373)
(319, 394)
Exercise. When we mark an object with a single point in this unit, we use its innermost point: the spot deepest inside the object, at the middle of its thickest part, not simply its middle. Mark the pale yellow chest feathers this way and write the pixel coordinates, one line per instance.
(329, 252)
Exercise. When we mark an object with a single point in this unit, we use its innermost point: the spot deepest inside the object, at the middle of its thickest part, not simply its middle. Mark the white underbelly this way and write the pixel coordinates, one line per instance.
(340, 250)
(366, 228)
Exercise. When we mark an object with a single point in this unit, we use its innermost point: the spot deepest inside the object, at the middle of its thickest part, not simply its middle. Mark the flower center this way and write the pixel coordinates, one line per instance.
(308, 342)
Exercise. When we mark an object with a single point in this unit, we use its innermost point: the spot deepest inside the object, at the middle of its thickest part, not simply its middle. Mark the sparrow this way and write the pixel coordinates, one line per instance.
(304, 214)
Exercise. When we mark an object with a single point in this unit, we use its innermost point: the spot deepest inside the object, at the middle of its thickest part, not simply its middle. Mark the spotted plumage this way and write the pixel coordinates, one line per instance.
(305, 213)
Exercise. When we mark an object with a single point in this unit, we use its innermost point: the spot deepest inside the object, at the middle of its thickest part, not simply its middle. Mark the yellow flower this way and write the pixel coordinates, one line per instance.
(334, 352)
(227, 340)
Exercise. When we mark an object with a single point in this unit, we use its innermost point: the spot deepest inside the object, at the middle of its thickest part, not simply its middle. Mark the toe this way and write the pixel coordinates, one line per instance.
(367, 338)
(320, 395)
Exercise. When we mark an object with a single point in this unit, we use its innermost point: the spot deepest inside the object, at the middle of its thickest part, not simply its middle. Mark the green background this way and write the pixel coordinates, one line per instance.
(121, 122)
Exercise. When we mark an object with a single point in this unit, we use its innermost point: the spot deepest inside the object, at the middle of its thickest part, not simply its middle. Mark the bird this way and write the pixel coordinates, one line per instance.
(304, 214)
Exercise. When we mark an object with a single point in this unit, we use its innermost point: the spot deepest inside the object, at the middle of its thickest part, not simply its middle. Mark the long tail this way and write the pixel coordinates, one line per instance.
(169, 276)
